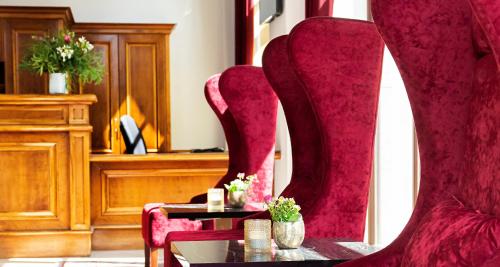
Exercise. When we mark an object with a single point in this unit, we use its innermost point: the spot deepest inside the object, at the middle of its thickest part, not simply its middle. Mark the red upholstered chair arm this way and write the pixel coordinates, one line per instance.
(197, 236)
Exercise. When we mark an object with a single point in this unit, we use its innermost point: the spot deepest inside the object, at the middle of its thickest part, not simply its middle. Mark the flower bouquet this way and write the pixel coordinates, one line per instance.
(237, 190)
(65, 57)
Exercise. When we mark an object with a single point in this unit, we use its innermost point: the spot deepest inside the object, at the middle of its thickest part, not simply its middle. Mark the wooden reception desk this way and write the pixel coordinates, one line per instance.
(44, 175)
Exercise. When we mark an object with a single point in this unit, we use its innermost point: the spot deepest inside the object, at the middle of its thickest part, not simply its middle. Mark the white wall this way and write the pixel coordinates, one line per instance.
(202, 44)
(293, 13)
(393, 177)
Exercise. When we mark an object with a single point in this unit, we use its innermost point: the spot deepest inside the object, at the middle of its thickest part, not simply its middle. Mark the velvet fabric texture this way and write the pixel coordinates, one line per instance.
(451, 77)
(339, 62)
(453, 235)
(260, 138)
(254, 107)
(316, 186)
(154, 224)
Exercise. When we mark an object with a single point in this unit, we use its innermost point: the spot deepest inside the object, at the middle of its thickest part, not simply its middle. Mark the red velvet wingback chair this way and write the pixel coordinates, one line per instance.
(247, 108)
(332, 133)
(446, 53)
(155, 226)
(254, 107)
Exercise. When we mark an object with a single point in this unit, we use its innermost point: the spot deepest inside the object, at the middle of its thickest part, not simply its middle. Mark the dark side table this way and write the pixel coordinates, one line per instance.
(223, 219)
(227, 253)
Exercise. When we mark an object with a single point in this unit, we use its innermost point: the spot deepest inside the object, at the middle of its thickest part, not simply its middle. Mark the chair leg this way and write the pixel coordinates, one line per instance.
(147, 253)
(150, 256)
(153, 257)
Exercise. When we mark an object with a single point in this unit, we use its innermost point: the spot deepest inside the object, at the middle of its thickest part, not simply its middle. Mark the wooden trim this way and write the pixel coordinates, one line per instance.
(22, 99)
(79, 180)
(45, 244)
(44, 128)
(117, 237)
(37, 12)
(159, 157)
(137, 28)
(181, 156)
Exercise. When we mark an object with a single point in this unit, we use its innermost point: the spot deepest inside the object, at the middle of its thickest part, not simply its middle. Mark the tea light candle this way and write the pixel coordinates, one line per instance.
(258, 236)
(215, 199)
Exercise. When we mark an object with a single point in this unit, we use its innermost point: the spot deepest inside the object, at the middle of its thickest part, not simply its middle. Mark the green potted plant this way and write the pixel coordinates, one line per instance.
(65, 57)
(237, 190)
(288, 226)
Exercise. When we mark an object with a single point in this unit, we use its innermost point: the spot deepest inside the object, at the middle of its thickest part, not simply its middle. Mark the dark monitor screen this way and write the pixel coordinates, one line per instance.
(269, 9)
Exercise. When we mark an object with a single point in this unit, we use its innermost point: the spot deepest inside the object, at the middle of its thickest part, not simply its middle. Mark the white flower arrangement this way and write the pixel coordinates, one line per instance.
(242, 183)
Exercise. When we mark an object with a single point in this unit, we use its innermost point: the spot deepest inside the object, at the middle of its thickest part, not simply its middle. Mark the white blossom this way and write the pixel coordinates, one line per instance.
(65, 52)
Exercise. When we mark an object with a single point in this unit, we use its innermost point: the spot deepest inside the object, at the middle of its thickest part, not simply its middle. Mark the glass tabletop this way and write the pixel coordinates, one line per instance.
(313, 252)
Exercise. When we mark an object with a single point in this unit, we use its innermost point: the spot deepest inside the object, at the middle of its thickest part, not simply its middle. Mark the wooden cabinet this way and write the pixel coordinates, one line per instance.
(104, 116)
(18, 39)
(136, 80)
(44, 158)
(136, 83)
(18, 26)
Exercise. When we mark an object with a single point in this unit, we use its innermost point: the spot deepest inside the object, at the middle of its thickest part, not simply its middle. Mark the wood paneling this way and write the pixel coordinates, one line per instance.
(33, 166)
(17, 26)
(117, 237)
(45, 175)
(33, 115)
(143, 84)
(31, 188)
(122, 184)
(104, 115)
(121, 188)
(2, 41)
(45, 244)
(19, 33)
(125, 192)
(136, 83)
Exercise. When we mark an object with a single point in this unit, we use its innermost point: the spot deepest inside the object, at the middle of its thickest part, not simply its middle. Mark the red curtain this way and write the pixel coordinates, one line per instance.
(243, 26)
(319, 8)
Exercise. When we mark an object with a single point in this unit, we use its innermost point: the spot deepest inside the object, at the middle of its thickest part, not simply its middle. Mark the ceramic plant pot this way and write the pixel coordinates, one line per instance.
(237, 199)
(57, 83)
(289, 234)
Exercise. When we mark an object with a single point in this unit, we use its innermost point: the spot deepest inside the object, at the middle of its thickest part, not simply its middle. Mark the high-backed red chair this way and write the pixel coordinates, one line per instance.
(446, 55)
(339, 62)
(154, 224)
(331, 120)
(254, 107)
(247, 109)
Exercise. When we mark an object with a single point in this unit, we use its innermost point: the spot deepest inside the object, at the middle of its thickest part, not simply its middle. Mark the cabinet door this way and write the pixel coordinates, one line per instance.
(143, 86)
(104, 115)
(2, 56)
(18, 39)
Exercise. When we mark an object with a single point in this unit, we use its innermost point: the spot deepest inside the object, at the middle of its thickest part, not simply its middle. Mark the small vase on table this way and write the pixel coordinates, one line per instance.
(57, 83)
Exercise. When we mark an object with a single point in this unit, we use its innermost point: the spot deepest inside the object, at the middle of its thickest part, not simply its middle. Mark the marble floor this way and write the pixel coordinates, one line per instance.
(118, 258)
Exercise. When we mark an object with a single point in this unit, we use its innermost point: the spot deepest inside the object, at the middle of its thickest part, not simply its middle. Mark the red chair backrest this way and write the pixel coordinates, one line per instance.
(253, 105)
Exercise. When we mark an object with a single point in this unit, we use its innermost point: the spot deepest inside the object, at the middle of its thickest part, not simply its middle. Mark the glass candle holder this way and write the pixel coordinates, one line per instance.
(257, 236)
(215, 199)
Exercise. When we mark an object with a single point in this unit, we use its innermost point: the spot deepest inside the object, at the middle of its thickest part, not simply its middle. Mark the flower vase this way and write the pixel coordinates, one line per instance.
(237, 199)
(57, 83)
(289, 234)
